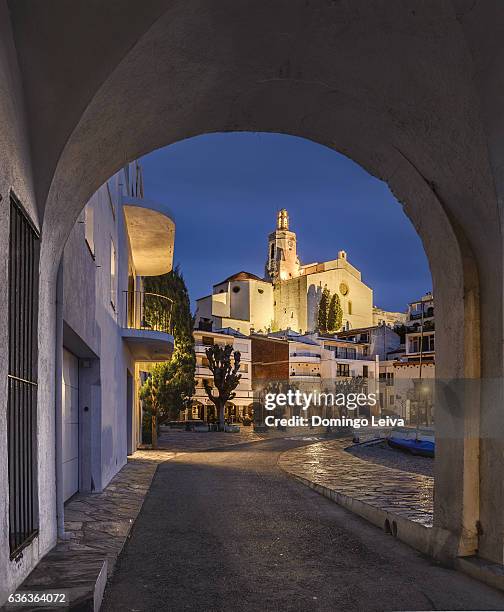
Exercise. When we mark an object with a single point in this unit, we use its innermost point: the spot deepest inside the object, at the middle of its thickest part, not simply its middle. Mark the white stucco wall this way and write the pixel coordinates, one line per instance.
(89, 312)
(16, 175)
(261, 306)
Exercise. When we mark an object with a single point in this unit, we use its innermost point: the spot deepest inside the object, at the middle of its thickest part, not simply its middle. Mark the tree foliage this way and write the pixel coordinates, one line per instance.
(334, 314)
(172, 285)
(224, 363)
(156, 396)
(330, 312)
(323, 310)
(178, 373)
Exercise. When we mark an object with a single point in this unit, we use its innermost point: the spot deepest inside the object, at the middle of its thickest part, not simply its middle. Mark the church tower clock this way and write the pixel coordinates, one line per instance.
(282, 262)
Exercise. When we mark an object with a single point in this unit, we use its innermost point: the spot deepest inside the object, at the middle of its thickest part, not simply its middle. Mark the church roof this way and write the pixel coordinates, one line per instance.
(241, 276)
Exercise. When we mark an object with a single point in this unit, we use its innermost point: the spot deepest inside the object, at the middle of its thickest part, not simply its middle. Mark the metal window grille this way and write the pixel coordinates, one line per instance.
(22, 378)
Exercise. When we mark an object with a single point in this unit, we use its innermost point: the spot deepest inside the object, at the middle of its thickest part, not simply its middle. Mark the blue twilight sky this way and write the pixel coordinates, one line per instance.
(224, 191)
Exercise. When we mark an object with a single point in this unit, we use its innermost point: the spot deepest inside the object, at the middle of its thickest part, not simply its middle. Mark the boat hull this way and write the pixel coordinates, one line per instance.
(425, 448)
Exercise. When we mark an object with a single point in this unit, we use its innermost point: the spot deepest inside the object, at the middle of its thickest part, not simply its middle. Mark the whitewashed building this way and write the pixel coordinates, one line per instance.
(109, 326)
(407, 373)
(241, 405)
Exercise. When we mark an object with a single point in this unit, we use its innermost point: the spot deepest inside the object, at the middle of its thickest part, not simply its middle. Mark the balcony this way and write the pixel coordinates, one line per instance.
(304, 357)
(302, 375)
(342, 354)
(151, 232)
(147, 326)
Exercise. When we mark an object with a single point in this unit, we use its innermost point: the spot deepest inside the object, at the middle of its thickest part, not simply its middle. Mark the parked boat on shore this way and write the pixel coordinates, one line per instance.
(415, 441)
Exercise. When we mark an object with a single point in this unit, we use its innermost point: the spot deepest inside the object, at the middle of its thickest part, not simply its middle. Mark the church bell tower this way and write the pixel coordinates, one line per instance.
(282, 262)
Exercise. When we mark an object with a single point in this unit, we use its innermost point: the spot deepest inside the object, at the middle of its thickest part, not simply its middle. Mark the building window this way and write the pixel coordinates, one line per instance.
(391, 400)
(22, 379)
(260, 290)
(349, 308)
(427, 344)
(343, 369)
(113, 275)
(236, 289)
(365, 371)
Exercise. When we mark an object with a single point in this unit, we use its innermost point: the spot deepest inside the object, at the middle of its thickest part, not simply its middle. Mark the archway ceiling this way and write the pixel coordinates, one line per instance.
(388, 84)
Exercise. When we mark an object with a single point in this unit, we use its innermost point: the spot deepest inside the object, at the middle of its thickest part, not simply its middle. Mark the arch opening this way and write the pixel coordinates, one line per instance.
(442, 246)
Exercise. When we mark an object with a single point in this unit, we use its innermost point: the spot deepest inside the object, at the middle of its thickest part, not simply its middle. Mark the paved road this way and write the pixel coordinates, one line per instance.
(228, 531)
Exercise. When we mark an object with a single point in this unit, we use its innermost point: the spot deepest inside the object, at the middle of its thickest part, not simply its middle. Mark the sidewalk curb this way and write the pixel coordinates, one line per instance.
(414, 534)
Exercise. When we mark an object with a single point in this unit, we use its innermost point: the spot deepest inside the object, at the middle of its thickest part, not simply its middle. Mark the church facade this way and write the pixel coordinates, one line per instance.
(289, 294)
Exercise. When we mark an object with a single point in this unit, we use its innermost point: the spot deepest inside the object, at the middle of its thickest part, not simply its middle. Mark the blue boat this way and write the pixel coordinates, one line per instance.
(425, 448)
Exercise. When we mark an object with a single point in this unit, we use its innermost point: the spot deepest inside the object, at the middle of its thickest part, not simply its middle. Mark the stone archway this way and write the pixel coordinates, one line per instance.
(335, 73)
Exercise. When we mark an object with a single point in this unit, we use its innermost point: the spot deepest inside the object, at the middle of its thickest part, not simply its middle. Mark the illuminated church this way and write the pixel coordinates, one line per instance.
(288, 295)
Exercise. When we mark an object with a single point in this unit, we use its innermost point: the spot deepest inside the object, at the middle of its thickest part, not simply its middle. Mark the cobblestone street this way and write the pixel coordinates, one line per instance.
(177, 440)
(403, 493)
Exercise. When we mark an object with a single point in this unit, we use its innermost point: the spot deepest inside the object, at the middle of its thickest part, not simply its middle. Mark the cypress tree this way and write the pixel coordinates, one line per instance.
(334, 314)
(323, 310)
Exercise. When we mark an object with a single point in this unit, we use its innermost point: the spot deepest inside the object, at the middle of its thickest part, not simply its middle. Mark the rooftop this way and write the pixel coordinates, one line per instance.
(360, 330)
(241, 276)
(229, 331)
(289, 334)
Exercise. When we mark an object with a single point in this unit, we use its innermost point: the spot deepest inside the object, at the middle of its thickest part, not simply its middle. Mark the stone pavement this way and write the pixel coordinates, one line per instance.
(97, 526)
(328, 465)
(178, 440)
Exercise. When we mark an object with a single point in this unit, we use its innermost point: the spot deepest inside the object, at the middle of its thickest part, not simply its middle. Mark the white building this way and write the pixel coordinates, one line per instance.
(386, 317)
(289, 295)
(379, 339)
(241, 404)
(105, 326)
(407, 375)
(109, 327)
(318, 363)
(243, 301)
